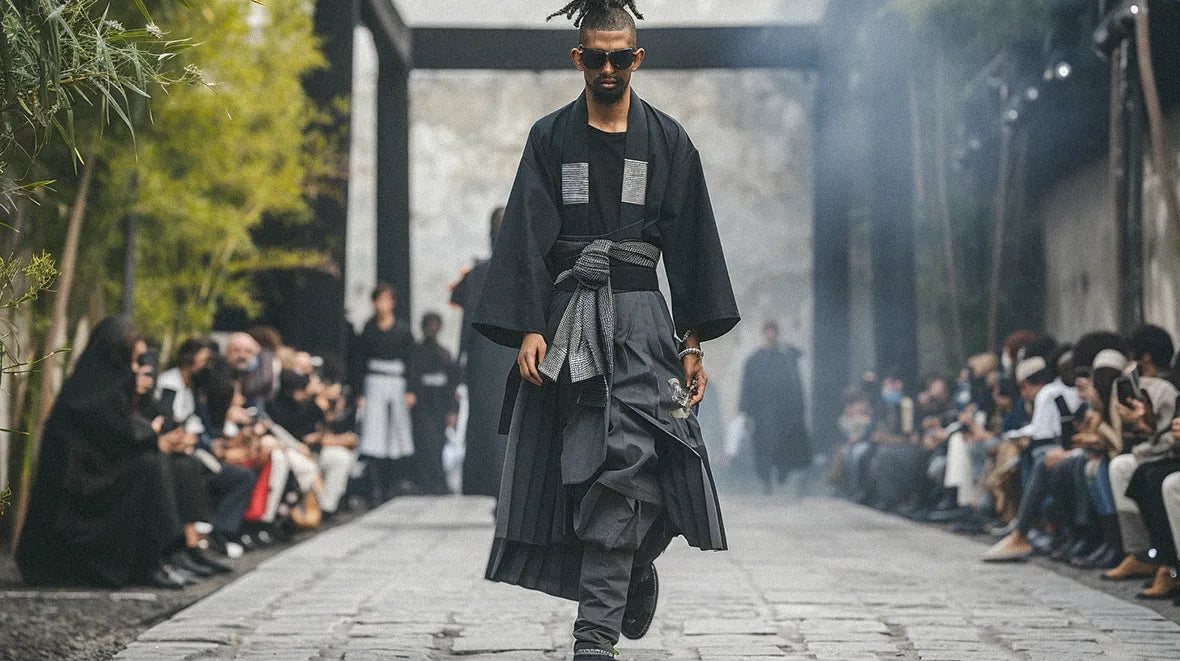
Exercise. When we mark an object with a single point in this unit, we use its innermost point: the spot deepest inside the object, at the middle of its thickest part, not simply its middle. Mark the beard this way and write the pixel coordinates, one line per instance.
(608, 96)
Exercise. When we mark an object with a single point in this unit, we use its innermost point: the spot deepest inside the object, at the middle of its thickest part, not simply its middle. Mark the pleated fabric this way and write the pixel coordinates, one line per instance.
(617, 476)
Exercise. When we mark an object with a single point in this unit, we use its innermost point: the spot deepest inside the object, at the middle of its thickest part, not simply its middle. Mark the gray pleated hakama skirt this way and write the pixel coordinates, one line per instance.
(628, 476)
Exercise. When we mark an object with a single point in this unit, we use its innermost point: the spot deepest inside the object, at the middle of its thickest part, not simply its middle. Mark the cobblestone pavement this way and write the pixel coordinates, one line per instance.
(817, 579)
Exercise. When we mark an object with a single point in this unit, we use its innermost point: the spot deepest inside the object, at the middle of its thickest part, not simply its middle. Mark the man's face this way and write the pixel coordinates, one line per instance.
(240, 354)
(606, 84)
(384, 304)
(431, 329)
(938, 391)
(1028, 391)
(770, 336)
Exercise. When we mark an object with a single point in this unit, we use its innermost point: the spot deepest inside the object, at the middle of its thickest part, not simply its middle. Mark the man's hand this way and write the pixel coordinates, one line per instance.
(694, 373)
(1055, 456)
(532, 352)
(411, 400)
(1087, 439)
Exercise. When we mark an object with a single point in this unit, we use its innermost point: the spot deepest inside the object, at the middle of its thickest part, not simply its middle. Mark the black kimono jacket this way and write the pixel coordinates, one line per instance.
(665, 203)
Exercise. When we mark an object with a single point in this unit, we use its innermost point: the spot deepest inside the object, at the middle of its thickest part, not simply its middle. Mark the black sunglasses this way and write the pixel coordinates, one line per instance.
(594, 58)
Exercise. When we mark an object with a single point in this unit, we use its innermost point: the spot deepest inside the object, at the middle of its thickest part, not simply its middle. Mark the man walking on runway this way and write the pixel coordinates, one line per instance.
(605, 461)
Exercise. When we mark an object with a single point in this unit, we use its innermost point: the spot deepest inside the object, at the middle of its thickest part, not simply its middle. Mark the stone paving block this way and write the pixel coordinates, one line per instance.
(760, 651)
(941, 633)
(374, 655)
(818, 612)
(851, 648)
(720, 625)
(702, 641)
(158, 651)
(397, 641)
(469, 645)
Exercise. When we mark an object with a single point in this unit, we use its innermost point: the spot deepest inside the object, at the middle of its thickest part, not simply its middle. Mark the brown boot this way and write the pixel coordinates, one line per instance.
(1012, 547)
(1166, 585)
(1131, 567)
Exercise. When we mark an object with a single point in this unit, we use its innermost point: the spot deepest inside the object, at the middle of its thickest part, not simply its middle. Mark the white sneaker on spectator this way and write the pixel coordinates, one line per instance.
(1004, 530)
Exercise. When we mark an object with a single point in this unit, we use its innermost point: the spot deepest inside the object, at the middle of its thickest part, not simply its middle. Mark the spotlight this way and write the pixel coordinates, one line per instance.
(1012, 115)
(1032, 93)
(1063, 70)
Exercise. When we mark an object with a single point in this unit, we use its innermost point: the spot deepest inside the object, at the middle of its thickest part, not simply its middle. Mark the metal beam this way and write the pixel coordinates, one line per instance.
(390, 30)
(764, 47)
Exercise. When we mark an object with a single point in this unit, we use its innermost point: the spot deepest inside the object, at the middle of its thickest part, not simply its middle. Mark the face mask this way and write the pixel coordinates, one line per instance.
(891, 396)
(253, 364)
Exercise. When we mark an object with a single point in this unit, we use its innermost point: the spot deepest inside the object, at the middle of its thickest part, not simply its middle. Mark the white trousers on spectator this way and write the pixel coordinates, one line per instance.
(282, 461)
(1171, 490)
(335, 464)
(1135, 536)
(960, 471)
(385, 426)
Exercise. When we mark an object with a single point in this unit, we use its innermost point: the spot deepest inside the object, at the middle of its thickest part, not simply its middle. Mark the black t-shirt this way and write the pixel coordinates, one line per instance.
(607, 151)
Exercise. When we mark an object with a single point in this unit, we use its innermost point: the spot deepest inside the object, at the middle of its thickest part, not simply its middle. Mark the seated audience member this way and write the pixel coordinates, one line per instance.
(1099, 436)
(262, 383)
(1171, 495)
(230, 486)
(850, 471)
(898, 464)
(1148, 413)
(1146, 425)
(307, 410)
(102, 509)
(1042, 451)
(188, 476)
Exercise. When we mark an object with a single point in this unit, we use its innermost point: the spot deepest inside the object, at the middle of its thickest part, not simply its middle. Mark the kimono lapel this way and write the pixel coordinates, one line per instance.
(575, 165)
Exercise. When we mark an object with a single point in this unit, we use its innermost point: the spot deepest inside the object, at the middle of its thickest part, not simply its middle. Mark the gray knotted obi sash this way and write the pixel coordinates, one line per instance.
(585, 334)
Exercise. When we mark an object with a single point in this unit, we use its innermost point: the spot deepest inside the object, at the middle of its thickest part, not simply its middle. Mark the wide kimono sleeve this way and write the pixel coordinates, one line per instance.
(702, 297)
(518, 286)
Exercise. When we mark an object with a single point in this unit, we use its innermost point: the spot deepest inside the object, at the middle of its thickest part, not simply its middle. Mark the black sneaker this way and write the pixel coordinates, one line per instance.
(641, 605)
(200, 557)
(182, 560)
(592, 652)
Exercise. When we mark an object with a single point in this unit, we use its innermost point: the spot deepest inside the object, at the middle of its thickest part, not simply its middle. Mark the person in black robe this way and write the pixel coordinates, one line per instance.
(605, 461)
(485, 365)
(436, 409)
(772, 399)
(102, 509)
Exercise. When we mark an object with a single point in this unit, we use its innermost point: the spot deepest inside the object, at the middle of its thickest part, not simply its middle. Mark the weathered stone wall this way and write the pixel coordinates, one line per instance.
(1081, 253)
(753, 129)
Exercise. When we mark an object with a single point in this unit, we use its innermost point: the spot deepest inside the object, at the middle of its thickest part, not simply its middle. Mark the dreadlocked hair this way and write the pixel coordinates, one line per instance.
(578, 10)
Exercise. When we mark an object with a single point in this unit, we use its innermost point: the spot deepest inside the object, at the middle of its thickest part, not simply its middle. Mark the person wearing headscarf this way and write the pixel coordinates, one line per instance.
(102, 509)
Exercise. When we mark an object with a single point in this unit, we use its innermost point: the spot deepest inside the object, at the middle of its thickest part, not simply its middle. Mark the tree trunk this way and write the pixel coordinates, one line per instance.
(55, 339)
(999, 217)
(944, 211)
(1155, 118)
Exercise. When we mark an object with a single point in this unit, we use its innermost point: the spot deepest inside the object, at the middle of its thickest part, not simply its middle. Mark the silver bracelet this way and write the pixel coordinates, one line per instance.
(691, 351)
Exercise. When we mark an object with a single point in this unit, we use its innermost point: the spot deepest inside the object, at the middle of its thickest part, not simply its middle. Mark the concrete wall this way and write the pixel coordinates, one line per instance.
(752, 128)
(1083, 292)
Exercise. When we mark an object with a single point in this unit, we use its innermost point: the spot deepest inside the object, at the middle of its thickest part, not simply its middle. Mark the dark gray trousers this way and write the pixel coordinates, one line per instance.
(606, 580)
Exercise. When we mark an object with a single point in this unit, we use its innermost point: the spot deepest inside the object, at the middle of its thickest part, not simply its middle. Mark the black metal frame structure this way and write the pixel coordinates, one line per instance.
(403, 49)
